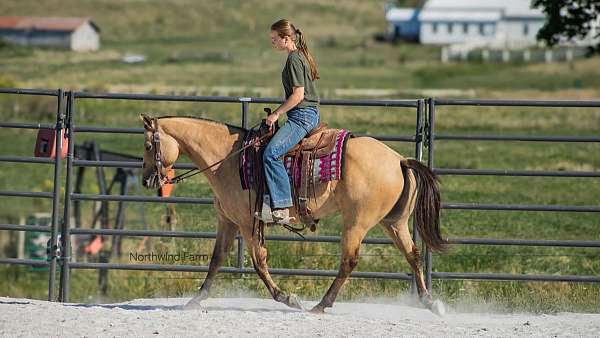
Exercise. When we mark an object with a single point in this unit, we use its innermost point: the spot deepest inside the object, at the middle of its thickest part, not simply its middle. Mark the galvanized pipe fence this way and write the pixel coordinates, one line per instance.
(424, 137)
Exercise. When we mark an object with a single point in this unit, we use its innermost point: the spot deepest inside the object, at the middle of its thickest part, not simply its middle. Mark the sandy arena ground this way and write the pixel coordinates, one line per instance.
(252, 317)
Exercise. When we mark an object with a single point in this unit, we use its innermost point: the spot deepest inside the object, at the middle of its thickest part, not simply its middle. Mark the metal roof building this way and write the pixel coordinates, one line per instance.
(78, 34)
(483, 22)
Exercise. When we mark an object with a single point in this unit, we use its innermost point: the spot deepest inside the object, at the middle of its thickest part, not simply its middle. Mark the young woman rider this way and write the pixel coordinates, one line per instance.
(302, 107)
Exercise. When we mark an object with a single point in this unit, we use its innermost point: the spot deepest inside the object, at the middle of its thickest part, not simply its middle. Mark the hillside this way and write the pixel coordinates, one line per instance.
(224, 47)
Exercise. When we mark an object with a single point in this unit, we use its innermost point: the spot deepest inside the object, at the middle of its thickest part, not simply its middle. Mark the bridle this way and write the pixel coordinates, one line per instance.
(158, 164)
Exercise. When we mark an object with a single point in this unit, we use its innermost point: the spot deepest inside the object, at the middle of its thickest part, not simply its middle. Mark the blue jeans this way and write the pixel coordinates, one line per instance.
(300, 121)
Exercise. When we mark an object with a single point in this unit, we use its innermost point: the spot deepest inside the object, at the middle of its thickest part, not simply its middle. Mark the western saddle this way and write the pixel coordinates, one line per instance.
(320, 140)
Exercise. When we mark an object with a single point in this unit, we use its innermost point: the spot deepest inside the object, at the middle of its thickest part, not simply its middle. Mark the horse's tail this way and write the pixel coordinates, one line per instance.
(427, 209)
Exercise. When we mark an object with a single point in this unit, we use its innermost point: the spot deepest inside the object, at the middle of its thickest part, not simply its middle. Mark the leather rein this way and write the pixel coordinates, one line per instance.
(158, 165)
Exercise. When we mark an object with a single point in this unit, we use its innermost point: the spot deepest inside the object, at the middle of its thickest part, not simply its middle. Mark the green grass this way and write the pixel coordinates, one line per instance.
(198, 47)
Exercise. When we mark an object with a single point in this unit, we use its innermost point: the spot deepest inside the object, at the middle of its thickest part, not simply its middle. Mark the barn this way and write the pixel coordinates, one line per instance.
(77, 34)
(486, 22)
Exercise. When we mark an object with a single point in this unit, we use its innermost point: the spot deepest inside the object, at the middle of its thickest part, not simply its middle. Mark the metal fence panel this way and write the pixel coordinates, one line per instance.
(424, 136)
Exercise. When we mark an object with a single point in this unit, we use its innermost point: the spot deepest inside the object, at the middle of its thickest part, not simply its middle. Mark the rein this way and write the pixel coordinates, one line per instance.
(159, 165)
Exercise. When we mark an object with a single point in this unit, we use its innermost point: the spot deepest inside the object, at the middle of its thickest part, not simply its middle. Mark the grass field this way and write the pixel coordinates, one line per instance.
(208, 48)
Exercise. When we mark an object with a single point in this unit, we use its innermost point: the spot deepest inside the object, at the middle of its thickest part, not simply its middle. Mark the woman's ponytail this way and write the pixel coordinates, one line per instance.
(284, 28)
(301, 43)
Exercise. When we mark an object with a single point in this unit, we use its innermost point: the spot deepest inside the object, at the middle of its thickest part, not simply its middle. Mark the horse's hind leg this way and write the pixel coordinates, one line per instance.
(226, 232)
(395, 226)
(399, 233)
(350, 245)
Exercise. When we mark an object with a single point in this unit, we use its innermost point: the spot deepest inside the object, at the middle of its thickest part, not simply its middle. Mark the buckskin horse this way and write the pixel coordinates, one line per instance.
(379, 186)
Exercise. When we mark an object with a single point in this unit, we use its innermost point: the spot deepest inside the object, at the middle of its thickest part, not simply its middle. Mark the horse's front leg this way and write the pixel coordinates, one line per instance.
(226, 232)
(258, 252)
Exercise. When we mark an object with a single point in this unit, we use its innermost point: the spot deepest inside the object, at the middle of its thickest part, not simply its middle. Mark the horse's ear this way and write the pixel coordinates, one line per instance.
(147, 122)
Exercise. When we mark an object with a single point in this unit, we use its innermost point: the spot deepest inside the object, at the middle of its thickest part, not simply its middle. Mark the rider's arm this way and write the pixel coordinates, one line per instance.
(292, 101)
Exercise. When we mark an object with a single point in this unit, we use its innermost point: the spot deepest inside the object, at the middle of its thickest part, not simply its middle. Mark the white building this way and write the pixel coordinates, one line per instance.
(78, 34)
(501, 23)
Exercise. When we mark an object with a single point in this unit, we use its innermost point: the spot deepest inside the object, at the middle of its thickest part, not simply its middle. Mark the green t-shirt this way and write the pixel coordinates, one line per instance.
(296, 73)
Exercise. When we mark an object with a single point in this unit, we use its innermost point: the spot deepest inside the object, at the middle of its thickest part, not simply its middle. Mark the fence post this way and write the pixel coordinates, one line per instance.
(430, 154)
(66, 229)
(485, 55)
(569, 55)
(445, 55)
(418, 157)
(53, 248)
(505, 55)
(240, 239)
(548, 56)
(526, 55)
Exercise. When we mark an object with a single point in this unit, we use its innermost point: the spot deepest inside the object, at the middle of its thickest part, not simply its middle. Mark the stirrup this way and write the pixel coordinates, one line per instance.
(282, 216)
(265, 215)
(273, 218)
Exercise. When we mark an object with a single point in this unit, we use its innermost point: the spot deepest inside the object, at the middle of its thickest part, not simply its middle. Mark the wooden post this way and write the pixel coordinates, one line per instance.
(526, 55)
(444, 54)
(485, 55)
(505, 55)
(548, 56)
(569, 55)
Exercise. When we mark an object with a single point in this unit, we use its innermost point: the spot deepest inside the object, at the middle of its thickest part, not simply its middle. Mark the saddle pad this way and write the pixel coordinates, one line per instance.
(326, 168)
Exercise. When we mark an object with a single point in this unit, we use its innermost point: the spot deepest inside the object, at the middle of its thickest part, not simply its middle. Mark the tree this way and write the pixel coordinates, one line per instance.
(568, 20)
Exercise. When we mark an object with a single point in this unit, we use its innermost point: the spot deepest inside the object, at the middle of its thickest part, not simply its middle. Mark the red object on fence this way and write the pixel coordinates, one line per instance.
(165, 190)
(45, 146)
(94, 246)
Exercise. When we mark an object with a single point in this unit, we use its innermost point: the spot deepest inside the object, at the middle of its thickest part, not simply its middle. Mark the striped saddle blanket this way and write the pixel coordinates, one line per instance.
(323, 167)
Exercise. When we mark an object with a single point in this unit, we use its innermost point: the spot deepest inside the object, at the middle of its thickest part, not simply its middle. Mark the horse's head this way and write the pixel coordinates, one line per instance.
(160, 153)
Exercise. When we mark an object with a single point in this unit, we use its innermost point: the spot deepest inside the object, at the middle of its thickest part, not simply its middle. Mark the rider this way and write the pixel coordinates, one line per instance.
(302, 108)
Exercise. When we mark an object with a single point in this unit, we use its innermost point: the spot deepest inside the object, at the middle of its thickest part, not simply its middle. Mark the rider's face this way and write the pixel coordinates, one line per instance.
(278, 42)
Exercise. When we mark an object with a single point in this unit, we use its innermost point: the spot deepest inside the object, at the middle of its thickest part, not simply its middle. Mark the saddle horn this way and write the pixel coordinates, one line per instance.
(263, 126)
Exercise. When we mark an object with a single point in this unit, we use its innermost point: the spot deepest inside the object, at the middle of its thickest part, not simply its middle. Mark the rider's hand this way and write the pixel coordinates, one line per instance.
(271, 119)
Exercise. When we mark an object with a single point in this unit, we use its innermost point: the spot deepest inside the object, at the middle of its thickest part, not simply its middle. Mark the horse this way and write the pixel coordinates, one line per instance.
(379, 186)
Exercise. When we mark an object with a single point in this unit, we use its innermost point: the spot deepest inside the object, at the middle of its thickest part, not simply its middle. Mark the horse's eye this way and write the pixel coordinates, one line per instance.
(148, 146)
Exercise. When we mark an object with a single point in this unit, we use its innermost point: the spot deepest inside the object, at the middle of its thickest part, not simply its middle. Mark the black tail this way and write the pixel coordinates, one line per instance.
(427, 209)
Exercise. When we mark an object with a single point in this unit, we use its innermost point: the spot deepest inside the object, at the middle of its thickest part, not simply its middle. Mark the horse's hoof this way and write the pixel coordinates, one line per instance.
(191, 305)
(318, 309)
(194, 303)
(438, 308)
(426, 300)
(293, 302)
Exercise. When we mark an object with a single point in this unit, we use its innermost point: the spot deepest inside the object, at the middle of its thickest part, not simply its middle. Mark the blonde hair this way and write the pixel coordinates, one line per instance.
(285, 28)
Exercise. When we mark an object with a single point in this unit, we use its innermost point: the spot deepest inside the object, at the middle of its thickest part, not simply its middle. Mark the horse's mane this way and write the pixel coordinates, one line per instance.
(219, 123)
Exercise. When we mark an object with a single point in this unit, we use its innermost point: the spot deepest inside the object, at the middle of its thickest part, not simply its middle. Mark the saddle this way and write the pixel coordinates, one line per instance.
(318, 143)
(320, 140)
